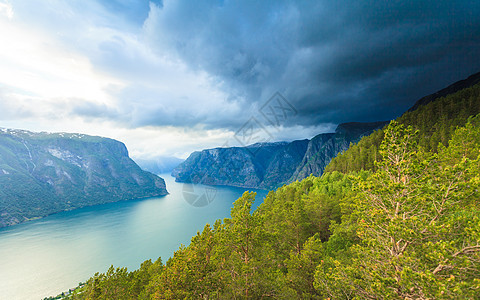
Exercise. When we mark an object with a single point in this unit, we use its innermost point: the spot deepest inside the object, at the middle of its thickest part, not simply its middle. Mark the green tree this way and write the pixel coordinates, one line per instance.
(419, 229)
(301, 269)
(243, 253)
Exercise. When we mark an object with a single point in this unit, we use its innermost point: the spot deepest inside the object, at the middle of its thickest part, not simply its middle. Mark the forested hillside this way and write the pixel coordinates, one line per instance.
(436, 122)
(409, 229)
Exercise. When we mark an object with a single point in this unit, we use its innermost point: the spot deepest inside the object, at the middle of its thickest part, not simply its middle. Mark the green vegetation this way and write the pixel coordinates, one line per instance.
(407, 227)
(43, 173)
(436, 122)
(70, 292)
(417, 223)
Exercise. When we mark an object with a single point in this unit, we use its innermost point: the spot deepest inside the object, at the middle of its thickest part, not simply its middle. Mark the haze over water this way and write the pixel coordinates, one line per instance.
(44, 257)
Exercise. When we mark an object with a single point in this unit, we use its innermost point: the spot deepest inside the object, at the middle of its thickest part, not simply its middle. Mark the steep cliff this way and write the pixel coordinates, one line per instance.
(255, 166)
(270, 165)
(43, 173)
(324, 147)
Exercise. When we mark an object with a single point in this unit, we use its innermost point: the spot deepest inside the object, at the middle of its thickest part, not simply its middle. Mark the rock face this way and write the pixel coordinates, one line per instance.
(324, 147)
(255, 166)
(43, 173)
(270, 165)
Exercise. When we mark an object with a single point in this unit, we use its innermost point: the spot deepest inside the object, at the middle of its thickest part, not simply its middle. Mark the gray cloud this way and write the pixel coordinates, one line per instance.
(213, 64)
(335, 61)
(10, 108)
(90, 110)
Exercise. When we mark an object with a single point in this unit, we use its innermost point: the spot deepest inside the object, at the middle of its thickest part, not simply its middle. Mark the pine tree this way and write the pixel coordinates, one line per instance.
(418, 225)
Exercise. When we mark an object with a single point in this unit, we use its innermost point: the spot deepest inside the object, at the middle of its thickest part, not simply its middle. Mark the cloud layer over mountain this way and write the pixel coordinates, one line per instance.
(202, 69)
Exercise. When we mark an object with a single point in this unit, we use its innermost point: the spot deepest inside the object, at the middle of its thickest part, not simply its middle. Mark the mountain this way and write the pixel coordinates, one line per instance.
(270, 165)
(45, 173)
(255, 166)
(323, 147)
(158, 165)
(451, 89)
(407, 229)
(435, 116)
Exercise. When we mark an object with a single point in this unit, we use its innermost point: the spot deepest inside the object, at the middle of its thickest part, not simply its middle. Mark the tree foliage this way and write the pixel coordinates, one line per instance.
(436, 122)
(417, 220)
(409, 229)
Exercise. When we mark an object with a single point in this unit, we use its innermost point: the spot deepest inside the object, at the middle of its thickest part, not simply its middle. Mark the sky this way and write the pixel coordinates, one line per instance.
(171, 77)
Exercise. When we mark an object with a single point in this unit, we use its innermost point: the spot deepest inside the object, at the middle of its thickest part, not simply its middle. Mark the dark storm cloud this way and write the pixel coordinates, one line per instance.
(335, 61)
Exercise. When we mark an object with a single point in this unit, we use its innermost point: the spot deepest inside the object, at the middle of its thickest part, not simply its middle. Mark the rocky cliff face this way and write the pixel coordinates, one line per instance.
(270, 165)
(42, 173)
(324, 147)
(256, 166)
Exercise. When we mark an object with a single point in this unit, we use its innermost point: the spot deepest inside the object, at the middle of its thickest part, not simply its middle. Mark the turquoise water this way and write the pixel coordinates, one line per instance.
(47, 256)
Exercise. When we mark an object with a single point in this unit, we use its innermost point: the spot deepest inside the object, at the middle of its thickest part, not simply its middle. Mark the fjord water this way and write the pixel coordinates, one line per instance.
(47, 256)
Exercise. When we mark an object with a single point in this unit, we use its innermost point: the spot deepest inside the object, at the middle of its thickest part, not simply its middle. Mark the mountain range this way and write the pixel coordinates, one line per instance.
(270, 165)
(395, 216)
(45, 173)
